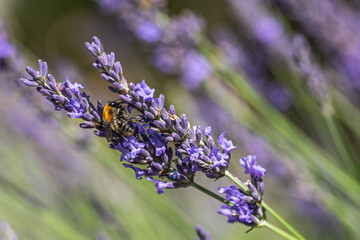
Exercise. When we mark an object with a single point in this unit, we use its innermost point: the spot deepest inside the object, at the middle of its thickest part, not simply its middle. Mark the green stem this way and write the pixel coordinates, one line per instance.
(340, 143)
(267, 207)
(277, 230)
(211, 194)
(282, 221)
(236, 181)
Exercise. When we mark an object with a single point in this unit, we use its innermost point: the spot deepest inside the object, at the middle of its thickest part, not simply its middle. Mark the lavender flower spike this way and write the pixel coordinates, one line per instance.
(164, 148)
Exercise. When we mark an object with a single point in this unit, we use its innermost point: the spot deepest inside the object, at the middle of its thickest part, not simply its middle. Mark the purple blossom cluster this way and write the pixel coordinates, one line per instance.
(164, 148)
(172, 41)
(245, 205)
(64, 96)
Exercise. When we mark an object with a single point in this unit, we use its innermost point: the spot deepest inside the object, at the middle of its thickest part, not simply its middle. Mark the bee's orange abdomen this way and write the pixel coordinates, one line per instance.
(107, 113)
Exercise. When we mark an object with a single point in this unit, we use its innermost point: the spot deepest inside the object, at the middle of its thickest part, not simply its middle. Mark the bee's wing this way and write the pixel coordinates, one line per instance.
(108, 132)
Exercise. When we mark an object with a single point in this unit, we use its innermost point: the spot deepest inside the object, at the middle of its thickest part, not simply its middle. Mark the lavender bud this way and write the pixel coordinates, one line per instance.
(172, 110)
(43, 91)
(137, 105)
(96, 117)
(111, 58)
(107, 78)
(132, 87)
(118, 86)
(168, 139)
(206, 150)
(185, 145)
(176, 137)
(60, 99)
(43, 68)
(134, 95)
(259, 212)
(114, 75)
(149, 115)
(98, 43)
(153, 111)
(103, 60)
(125, 98)
(198, 134)
(100, 133)
(249, 199)
(254, 192)
(118, 68)
(28, 82)
(90, 49)
(254, 219)
(190, 134)
(32, 72)
(87, 125)
(161, 101)
(155, 129)
(184, 121)
(68, 93)
(181, 151)
(160, 124)
(261, 188)
(156, 166)
(206, 159)
(112, 89)
(87, 117)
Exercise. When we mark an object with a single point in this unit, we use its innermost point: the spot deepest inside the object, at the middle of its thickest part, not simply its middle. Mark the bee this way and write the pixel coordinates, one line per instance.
(116, 120)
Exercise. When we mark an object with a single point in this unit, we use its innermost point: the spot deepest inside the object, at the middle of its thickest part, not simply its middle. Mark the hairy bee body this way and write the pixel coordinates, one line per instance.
(116, 119)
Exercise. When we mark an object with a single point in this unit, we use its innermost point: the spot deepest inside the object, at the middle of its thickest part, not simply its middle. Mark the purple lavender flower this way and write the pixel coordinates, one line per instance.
(64, 95)
(149, 151)
(249, 164)
(336, 30)
(309, 69)
(240, 210)
(144, 91)
(6, 232)
(195, 69)
(172, 41)
(6, 49)
(201, 233)
(158, 130)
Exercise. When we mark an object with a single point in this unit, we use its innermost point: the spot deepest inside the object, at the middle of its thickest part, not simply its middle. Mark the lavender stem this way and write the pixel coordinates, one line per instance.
(278, 230)
(208, 192)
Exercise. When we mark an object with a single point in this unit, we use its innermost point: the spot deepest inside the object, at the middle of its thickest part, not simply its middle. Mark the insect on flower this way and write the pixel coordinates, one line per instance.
(116, 120)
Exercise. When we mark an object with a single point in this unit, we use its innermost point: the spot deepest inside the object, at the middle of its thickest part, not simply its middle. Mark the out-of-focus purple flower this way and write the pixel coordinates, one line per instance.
(201, 233)
(264, 27)
(336, 30)
(249, 164)
(267, 30)
(171, 41)
(6, 49)
(149, 32)
(309, 69)
(196, 68)
(6, 232)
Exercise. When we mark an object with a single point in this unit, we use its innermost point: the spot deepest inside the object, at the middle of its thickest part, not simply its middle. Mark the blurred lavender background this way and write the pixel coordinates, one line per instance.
(298, 112)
